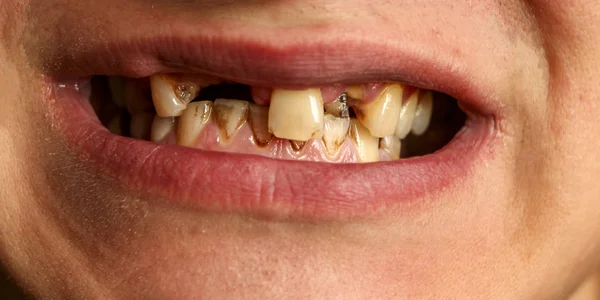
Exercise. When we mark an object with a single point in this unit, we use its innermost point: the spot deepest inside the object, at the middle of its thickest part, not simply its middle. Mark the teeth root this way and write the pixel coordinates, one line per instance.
(259, 123)
(230, 116)
(392, 146)
(423, 114)
(297, 146)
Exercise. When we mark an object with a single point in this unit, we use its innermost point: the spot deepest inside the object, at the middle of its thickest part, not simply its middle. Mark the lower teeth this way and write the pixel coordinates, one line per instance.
(244, 127)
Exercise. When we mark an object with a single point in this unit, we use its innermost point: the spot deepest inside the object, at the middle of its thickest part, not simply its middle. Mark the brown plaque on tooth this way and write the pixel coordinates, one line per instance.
(297, 145)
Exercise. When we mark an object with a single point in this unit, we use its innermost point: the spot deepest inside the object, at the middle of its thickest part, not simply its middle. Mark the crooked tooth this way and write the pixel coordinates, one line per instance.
(162, 127)
(171, 98)
(407, 115)
(192, 122)
(259, 123)
(296, 115)
(230, 116)
(423, 114)
(392, 146)
(367, 145)
(381, 116)
(141, 125)
(334, 133)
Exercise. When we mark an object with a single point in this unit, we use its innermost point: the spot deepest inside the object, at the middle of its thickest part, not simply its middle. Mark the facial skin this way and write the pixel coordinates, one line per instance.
(524, 223)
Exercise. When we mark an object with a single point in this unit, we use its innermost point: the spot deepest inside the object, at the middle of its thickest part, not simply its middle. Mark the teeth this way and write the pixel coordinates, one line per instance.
(381, 115)
(366, 144)
(259, 123)
(392, 146)
(297, 145)
(407, 115)
(356, 91)
(230, 116)
(339, 107)
(162, 127)
(192, 121)
(141, 125)
(423, 114)
(296, 115)
(334, 133)
(171, 98)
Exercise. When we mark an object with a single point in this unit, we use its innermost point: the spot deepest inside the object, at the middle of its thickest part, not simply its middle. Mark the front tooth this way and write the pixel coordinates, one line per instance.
(334, 133)
(192, 121)
(171, 98)
(367, 145)
(162, 127)
(141, 125)
(259, 123)
(392, 146)
(407, 115)
(381, 116)
(230, 116)
(423, 114)
(339, 107)
(296, 115)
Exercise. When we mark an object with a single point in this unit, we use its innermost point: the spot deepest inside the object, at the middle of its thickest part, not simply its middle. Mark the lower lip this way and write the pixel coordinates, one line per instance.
(264, 187)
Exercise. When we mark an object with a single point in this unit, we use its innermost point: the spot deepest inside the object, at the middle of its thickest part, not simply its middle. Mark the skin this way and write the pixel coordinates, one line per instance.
(524, 226)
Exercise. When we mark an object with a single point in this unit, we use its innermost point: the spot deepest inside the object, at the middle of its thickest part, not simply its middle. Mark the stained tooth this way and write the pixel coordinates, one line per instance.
(334, 133)
(230, 116)
(367, 145)
(162, 127)
(296, 115)
(192, 121)
(381, 116)
(407, 115)
(423, 114)
(259, 123)
(392, 146)
(141, 125)
(339, 107)
(297, 146)
(171, 98)
(356, 91)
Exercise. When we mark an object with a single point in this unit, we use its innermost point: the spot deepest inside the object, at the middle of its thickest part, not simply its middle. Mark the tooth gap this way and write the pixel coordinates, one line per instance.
(226, 91)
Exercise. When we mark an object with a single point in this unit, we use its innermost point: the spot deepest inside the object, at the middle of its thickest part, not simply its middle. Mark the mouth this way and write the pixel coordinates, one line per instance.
(217, 131)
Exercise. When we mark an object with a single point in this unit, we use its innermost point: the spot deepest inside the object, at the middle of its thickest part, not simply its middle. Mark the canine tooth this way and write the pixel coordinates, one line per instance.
(141, 125)
(381, 115)
(259, 123)
(367, 145)
(392, 146)
(334, 133)
(192, 121)
(339, 107)
(162, 127)
(297, 146)
(230, 116)
(171, 98)
(423, 114)
(407, 115)
(296, 115)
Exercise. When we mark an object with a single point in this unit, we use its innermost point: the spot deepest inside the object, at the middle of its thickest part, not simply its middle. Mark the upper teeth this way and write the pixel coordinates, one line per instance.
(171, 98)
(423, 114)
(296, 115)
(381, 116)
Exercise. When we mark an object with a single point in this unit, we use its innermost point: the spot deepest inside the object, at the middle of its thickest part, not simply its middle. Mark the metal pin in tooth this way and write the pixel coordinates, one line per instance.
(343, 98)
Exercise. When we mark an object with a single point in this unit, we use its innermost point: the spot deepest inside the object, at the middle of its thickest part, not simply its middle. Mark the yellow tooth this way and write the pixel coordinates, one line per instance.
(367, 145)
(356, 91)
(381, 116)
(259, 123)
(392, 146)
(423, 114)
(296, 115)
(192, 122)
(297, 146)
(334, 133)
(141, 125)
(170, 97)
(230, 116)
(162, 127)
(407, 115)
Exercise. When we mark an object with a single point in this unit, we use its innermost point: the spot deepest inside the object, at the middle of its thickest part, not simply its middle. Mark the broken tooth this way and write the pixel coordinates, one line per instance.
(423, 114)
(141, 125)
(192, 121)
(392, 146)
(162, 127)
(171, 97)
(381, 116)
(367, 146)
(407, 115)
(259, 123)
(334, 133)
(356, 91)
(230, 116)
(297, 146)
(339, 107)
(296, 115)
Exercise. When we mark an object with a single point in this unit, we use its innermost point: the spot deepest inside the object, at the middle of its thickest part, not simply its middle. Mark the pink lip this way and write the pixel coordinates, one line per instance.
(262, 186)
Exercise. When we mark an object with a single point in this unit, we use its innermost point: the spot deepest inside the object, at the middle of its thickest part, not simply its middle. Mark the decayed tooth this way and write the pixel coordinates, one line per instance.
(407, 115)
(334, 133)
(192, 121)
(296, 115)
(367, 145)
(356, 91)
(381, 116)
(259, 123)
(423, 114)
(141, 125)
(392, 146)
(162, 127)
(297, 146)
(171, 98)
(230, 116)
(339, 107)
